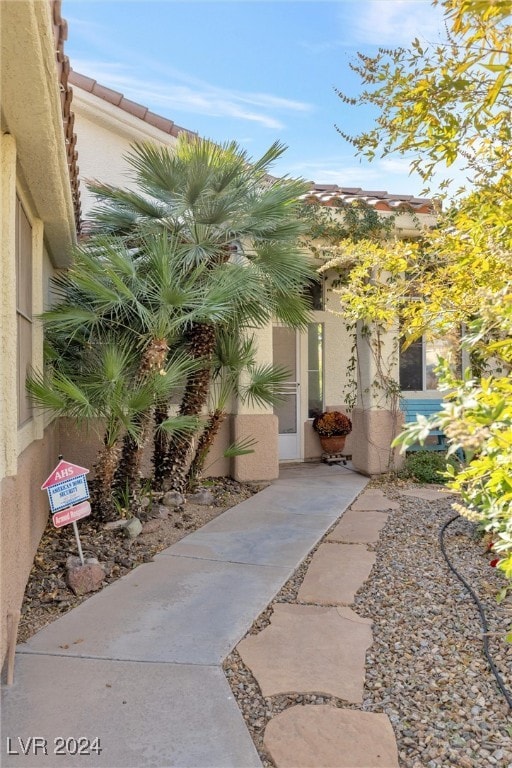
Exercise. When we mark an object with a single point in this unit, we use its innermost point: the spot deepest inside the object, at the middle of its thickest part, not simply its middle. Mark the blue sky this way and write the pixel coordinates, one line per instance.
(253, 70)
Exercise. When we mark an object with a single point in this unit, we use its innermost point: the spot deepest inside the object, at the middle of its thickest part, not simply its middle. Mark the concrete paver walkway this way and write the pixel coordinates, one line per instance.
(355, 528)
(139, 664)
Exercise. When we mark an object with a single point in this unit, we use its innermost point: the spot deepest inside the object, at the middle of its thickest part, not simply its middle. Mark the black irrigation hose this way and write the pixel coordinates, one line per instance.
(481, 611)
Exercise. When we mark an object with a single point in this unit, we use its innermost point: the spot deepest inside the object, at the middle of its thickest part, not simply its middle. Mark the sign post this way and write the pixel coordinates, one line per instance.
(68, 493)
(79, 544)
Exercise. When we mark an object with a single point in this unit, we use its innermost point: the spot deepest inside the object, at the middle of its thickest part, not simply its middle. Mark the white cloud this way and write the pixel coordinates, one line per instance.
(392, 22)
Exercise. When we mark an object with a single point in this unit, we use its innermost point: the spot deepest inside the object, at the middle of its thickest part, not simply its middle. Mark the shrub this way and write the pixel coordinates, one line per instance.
(426, 466)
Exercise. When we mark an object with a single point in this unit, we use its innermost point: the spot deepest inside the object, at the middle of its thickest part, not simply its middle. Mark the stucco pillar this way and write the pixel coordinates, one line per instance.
(376, 419)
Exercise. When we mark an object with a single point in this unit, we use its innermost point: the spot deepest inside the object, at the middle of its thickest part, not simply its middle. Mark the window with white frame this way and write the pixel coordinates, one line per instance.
(315, 369)
(419, 361)
(23, 309)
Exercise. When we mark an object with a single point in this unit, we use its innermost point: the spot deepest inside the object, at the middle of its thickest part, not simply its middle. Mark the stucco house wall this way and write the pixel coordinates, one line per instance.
(34, 174)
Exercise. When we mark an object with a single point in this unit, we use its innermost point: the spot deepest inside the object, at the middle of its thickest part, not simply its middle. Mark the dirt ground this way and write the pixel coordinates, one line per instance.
(47, 596)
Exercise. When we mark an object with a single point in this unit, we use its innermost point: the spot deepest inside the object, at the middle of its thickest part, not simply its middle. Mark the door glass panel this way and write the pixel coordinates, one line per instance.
(287, 415)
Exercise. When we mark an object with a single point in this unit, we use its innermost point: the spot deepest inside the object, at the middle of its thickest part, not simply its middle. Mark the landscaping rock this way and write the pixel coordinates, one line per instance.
(132, 528)
(73, 561)
(82, 579)
(115, 524)
(173, 499)
(151, 526)
(202, 496)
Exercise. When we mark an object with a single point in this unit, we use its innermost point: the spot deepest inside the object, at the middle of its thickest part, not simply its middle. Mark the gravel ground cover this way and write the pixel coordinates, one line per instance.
(426, 669)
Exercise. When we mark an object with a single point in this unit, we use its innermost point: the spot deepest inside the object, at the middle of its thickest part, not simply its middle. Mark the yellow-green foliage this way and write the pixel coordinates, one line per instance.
(441, 103)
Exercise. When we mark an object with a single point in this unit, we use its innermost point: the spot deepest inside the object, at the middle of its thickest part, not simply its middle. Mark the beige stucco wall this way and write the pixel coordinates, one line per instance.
(81, 446)
(24, 513)
(33, 166)
(374, 430)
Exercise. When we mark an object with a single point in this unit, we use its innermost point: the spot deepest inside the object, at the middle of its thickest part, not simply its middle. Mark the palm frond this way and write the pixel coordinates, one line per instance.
(264, 386)
(181, 426)
(240, 448)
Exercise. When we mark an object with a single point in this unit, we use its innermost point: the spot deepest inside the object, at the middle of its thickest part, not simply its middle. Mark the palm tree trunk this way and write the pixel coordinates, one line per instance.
(127, 479)
(102, 499)
(204, 444)
(174, 466)
(160, 439)
(128, 475)
(201, 345)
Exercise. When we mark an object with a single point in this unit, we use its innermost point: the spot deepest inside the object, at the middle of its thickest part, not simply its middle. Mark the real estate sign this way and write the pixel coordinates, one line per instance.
(68, 493)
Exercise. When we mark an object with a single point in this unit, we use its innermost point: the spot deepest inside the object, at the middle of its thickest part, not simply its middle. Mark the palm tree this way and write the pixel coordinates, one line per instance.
(236, 224)
(104, 393)
(138, 297)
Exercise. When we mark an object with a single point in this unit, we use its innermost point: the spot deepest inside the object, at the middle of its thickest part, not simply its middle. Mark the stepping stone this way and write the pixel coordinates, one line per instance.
(359, 527)
(429, 494)
(328, 737)
(335, 574)
(374, 499)
(310, 649)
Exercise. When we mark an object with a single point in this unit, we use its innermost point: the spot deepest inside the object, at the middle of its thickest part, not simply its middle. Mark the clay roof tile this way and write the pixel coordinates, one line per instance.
(60, 34)
(132, 107)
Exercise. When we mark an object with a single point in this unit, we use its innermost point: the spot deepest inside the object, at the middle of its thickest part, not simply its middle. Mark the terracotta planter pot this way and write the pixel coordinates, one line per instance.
(333, 444)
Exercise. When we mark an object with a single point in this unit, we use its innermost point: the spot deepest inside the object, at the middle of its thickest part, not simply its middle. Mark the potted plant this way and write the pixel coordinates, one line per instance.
(332, 428)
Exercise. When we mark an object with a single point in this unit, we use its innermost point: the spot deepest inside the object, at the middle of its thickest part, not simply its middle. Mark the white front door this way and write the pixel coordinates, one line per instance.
(285, 354)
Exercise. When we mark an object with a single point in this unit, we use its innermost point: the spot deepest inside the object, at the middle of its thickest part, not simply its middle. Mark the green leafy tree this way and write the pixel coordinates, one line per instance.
(442, 103)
